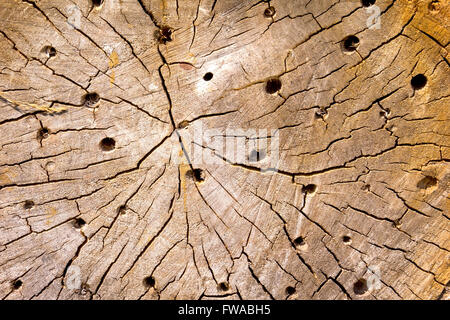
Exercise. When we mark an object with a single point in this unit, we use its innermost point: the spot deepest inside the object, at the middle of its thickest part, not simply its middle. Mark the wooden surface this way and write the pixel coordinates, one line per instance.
(357, 208)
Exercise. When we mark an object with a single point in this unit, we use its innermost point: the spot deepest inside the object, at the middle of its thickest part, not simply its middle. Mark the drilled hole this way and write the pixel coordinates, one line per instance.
(17, 284)
(273, 85)
(223, 286)
(91, 99)
(360, 287)
(107, 144)
(350, 44)
(49, 51)
(427, 182)
(149, 282)
(122, 209)
(347, 239)
(79, 223)
(256, 156)
(164, 34)
(269, 12)
(310, 188)
(97, 3)
(418, 81)
(197, 174)
(299, 241)
(397, 223)
(208, 76)
(321, 113)
(290, 290)
(28, 204)
(368, 3)
(385, 113)
(434, 6)
(43, 133)
(183, 124)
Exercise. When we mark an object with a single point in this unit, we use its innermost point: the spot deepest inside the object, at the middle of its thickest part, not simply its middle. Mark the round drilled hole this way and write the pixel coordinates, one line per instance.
(309, 188)
(107, 144)
(350, 44)
(91, 99)
(49, 51)
(122, 209)
(273, 85)
(347, 239)
(149, 282)
(269, 12)
(197, 174)
(434, 6)
(397, 223)
(419, 81)
(299, 241)
(385, 113)
(164, 34)
(79, 223)
(43, 133)
(28, 204)
(17, 284)
(208, 76)
(183, 124)
(321, 113)
(97, 3)
(360, 287)
(427, 182)
(368, 3)
(290, 290)
(223, 286)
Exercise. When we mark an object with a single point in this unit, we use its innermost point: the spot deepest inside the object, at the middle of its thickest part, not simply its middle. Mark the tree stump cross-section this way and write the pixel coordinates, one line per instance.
(224, 149)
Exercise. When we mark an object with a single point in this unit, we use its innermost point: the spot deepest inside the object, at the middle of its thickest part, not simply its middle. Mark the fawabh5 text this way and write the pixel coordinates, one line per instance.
(248, 309)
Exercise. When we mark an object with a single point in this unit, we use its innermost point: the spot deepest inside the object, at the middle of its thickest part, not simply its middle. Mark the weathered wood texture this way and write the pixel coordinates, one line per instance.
(372, 150)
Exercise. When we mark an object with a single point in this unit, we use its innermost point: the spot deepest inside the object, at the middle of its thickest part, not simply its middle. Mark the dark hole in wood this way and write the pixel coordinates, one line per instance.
(43, 133)
(351, 43)
(310, 188)
(299, 241)
(208, 76)
(149, 282)
(385, 113)
(122, 209)
(290, 290)
(183, 124)
(223, 286)
(269, 12)
(434, 6)
(397, 223)
(50, 51)
(360, 287)
(91, 99)
(107, 144)
(165, 34)
(346, 239)
(427, 182)
(97, 3)
(320, 113)
(273, 85)
(368, 3)
(79, 223)
(17, 284)
(28, 204)
(199, 176)
(418, 81)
